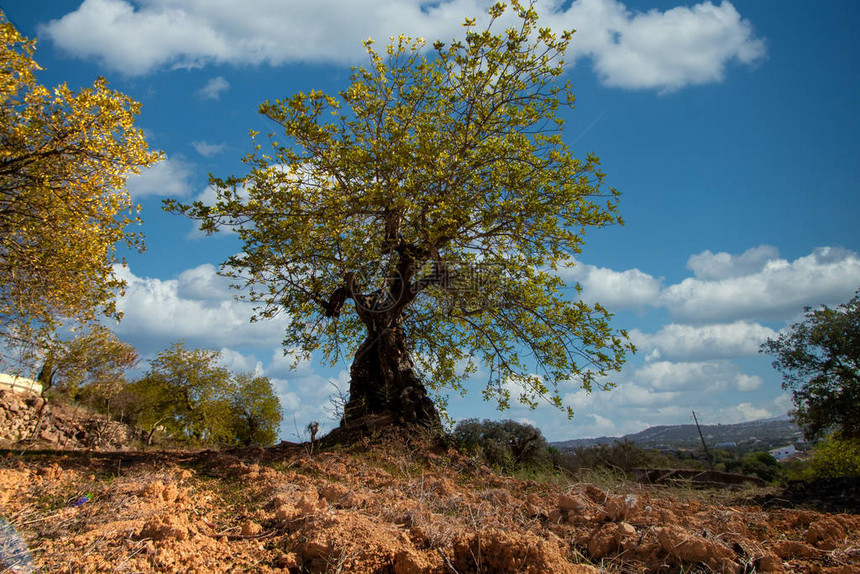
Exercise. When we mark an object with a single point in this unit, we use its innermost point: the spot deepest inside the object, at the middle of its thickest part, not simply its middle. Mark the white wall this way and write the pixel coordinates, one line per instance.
(20, 384)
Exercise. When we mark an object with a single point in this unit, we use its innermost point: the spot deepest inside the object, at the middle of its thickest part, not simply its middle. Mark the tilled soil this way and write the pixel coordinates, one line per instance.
(392, 505)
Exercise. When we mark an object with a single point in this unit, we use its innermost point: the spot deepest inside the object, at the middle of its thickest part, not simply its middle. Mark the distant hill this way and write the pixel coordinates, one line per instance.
(760, 434)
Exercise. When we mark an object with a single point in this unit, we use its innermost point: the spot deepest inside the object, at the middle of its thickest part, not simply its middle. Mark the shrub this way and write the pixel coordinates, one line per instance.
(762, 465)
(835, 457)
(507, 444)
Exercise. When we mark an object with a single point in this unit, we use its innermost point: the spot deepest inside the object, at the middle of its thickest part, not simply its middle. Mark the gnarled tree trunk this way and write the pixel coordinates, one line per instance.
(384, 382)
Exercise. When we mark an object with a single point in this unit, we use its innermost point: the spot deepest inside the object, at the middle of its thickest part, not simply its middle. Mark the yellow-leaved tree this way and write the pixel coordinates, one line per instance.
(438, 196)
(64, 159)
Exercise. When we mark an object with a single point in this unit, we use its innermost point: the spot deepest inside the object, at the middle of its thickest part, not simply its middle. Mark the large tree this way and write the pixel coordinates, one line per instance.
(436, 193)
(64, 160)
(819, 359)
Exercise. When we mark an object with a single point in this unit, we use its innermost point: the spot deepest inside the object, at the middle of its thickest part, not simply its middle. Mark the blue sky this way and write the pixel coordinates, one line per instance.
(731, 130)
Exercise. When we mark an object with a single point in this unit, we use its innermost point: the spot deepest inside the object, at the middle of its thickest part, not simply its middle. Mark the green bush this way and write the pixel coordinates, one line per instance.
(762, 465)
(835, 457)
(506, 445)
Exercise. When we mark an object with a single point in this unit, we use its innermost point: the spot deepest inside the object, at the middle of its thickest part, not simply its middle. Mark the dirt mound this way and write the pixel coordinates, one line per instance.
(392, 506)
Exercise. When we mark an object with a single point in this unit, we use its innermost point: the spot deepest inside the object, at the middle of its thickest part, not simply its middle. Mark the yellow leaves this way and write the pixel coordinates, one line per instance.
(66, 156)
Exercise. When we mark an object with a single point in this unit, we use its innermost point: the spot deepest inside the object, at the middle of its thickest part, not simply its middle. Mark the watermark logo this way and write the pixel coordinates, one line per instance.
(467, 286)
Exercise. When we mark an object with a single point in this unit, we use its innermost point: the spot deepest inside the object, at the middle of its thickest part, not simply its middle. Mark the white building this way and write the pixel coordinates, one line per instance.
(20, 384)
(783, 452)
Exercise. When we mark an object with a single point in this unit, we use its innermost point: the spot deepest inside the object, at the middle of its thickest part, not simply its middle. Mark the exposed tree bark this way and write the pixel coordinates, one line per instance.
(383, 381)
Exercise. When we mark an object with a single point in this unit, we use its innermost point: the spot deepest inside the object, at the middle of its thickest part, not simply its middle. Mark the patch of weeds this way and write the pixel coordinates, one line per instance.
(231, 493)
(543, 475)
(605, 479)
(281, 465)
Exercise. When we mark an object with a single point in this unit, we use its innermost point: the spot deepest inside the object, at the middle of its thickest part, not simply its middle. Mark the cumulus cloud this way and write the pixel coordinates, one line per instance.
(709, 266)
(305, 397)
(636, 404)
(213, 89)
(207, 149)
(695, 376)
(687, 342)
(197, 306)
(157, 312)
(777, 291)
(741, 413)
(613, 289)
(663, 50)
(240, 362)
(686, 45)
(170, 177)
(204, 284)
(746, 383)
(283, 362)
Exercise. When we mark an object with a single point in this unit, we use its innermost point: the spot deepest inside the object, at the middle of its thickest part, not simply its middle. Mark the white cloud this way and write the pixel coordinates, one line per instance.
(663, 50)
(304, 397)
(158, 312)
(213, 90)
(281, 364)
(709, 266)
(197, 307)
(238, 362)
(687, 342)
(660, 50)
(169, 177)
(203, 283)
(778, 291)
(668, 376)
(741, 413)
(613, 289)
(696, 377)
(746, 383)
(207, 149)
(661, 393)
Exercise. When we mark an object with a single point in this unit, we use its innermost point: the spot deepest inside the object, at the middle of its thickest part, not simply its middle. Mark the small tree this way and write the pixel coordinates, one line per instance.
(819, 359)
(438, 195)
(64, 160)
(93, 363)
(192, 398)
(186, 393)
(256, 410)
(835, 457)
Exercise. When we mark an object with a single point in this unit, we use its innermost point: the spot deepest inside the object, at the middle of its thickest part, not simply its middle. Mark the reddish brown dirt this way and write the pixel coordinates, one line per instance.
(393, 506)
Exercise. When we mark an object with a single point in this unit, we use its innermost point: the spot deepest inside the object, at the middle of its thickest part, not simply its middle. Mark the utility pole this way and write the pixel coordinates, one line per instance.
(707, 453)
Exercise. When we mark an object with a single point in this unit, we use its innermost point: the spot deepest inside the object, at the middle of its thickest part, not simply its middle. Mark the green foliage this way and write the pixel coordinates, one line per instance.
(819, 359)
(256, 410)
(64, 160)
(835, 457)
(89, 368)
(437, 193)
(187, 394)
(504, 444)
(762, 465)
